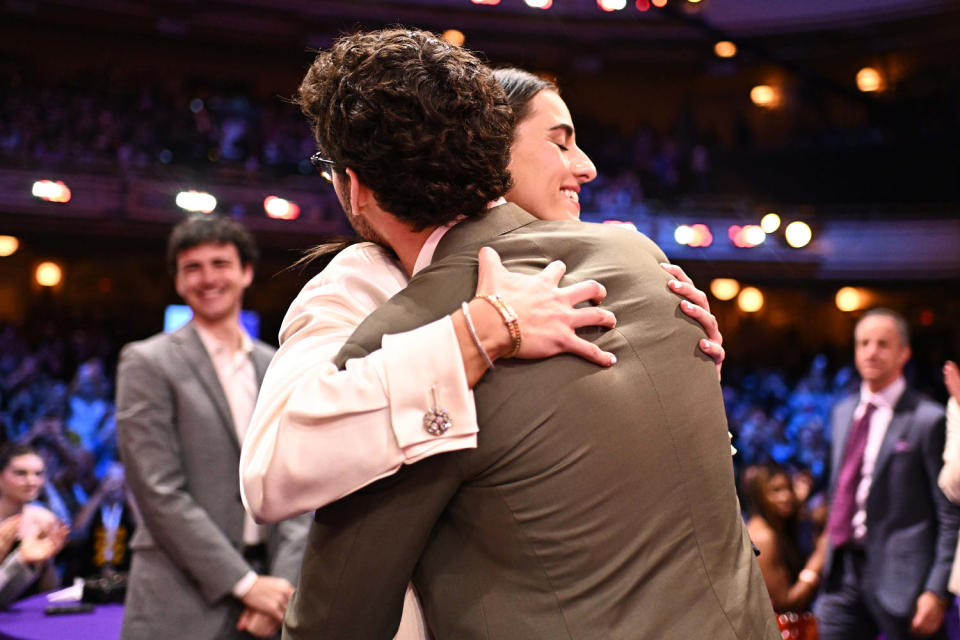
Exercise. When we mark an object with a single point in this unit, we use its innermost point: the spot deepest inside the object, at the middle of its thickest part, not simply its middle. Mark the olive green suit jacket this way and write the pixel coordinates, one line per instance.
(599, 503)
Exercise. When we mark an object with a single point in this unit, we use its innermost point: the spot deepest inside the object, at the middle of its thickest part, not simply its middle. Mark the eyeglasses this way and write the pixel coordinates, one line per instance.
(324, 166)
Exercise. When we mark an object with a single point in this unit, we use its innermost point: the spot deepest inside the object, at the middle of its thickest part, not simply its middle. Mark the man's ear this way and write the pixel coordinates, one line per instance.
(360, 194)
(247, 275)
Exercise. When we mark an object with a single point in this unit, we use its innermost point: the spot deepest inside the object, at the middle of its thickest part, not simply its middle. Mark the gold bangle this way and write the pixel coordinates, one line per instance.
(509, 319)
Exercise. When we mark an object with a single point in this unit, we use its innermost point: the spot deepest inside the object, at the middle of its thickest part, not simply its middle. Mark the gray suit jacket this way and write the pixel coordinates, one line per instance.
(182, 455)
(911, 526)
(600, 503)
(15, 578)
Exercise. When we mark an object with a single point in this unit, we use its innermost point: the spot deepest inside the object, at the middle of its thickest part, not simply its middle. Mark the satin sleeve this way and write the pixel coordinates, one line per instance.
(317, 433)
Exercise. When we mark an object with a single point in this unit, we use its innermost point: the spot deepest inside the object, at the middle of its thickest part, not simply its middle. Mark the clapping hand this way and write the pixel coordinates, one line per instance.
(43, 545)
(9, 529)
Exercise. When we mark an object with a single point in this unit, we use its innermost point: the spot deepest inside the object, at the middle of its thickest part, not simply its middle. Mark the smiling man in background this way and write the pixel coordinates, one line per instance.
(201, 566)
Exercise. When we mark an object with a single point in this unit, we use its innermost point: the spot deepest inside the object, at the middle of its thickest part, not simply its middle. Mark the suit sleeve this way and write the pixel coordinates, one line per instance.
(15, 577)
(949, 479)
(319, 433)
(362, 552)
(948, 514)
(288, 540)
(150, 449)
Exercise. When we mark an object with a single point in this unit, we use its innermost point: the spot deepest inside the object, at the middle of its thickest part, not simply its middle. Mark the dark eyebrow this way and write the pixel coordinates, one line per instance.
(567, 129)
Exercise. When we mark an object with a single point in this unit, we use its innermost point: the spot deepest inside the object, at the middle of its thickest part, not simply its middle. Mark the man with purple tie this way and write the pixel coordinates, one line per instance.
(892, 533)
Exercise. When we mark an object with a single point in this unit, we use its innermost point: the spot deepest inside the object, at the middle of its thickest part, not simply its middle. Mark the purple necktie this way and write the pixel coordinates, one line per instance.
(840, 522)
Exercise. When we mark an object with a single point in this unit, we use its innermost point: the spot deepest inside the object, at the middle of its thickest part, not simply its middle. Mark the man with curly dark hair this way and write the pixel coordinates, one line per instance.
(599, 502)
(430, 151)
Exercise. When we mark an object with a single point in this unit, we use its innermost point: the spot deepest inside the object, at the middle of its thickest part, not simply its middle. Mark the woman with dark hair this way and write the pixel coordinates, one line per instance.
(30, 536)
(548, 169)
(318, 434)
(772, 506)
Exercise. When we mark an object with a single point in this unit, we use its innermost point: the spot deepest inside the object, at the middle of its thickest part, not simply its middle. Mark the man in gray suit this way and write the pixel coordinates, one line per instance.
(201, 567)
(599, 503)
(892, 533)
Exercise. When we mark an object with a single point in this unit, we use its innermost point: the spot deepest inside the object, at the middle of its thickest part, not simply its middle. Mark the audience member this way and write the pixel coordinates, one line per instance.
(791, 576)
(892, 533)
(184, 402)
(30, 536)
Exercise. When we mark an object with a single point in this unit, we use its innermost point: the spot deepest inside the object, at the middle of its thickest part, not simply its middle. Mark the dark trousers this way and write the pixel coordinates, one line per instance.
(847, 611)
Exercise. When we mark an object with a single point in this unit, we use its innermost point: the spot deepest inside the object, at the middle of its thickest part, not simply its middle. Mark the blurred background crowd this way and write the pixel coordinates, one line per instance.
(182, 100)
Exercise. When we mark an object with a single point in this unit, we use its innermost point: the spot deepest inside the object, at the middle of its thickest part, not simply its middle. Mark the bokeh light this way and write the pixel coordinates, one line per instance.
(750, 300)
(869, 79)
(849, 299)
(48, 274)
(281, 208)
(8, 246)
(724, 288)
(798, 234)
(770, 222)
(196, 201)
(454, 37)
(725, 49)
(763, 95)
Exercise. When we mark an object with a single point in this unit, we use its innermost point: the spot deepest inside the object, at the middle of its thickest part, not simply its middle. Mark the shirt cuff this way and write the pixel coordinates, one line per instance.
(424, 371)
(244, 585)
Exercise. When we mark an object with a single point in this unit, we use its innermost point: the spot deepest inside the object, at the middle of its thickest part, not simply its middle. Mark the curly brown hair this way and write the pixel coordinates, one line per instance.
(423, 123)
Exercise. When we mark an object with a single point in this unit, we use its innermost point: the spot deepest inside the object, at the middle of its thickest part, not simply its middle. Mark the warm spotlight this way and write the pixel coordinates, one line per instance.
(724, 288)
(51, 191)
(798, 234)
(849, 299)
(659, 3)
(454, 37)
(869, 79)
(747, 236)
(196, 201)
(539, 4)
(8, 246)
(725, 49)
(770, 222)
(750, 299)
(612, 5)
(765, 96)
(491, 2)
(280, 208)
(48, 274)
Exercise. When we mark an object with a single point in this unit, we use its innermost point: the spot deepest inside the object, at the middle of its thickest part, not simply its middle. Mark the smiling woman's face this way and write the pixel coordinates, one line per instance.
(545, 162)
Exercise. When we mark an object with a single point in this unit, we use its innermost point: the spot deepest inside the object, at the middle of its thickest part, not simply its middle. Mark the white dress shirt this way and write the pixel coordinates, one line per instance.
(884, 400)
(238, 379)
(318, 434)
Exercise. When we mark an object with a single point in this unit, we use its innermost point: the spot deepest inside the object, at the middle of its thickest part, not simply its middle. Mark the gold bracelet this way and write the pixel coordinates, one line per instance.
(509, 319)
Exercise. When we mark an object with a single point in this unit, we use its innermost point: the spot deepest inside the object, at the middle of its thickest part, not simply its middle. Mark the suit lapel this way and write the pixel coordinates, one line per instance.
(896, 431)
(192, 350)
